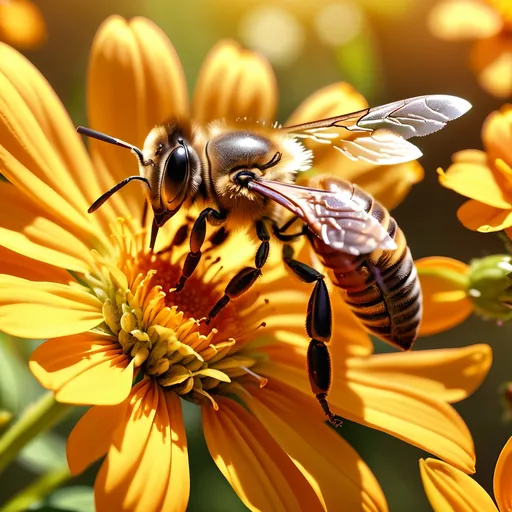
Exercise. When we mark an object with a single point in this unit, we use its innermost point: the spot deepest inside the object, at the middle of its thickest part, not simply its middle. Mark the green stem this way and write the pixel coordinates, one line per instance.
(37, 418)
(37, 490)
(457, 279)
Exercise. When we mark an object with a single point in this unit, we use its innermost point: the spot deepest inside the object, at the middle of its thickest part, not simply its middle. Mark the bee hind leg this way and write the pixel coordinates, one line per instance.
(319, 328)
(197, 236)
(246, 277)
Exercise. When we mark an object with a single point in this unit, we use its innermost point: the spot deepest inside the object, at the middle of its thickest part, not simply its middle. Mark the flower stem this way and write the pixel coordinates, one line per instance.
(457, 279)
(37, 418)
(37, 490)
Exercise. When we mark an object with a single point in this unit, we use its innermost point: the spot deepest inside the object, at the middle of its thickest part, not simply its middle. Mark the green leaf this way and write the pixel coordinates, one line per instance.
(77, 498)
(44, 453)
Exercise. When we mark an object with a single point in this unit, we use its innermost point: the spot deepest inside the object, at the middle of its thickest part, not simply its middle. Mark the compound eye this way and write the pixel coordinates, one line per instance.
(176, 172)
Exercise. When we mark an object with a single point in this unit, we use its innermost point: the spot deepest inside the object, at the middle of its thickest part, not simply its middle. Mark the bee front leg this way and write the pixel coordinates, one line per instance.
(197, 236)
(319, 328)
(246, 277)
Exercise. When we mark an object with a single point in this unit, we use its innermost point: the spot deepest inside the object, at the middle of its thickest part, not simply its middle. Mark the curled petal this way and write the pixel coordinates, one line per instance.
(497, 138)
(135, 81)
(84, 369)
(463, 19)
(503, 478)
(447, 488)
(240, 446)
(448, 375)
(342, 482)
(484, 218)
(444, 283)
(234, 82)
(147, 463)
(491, 59)
(40, 310)
(21, 24)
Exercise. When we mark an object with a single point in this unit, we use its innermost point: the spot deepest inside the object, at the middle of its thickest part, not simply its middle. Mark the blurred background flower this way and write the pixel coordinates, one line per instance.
(21, 24)
(388, 55)
(490, 23)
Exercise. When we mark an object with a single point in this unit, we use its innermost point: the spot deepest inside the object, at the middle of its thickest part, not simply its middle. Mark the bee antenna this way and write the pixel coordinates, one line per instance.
(114, 189)
(88, 132)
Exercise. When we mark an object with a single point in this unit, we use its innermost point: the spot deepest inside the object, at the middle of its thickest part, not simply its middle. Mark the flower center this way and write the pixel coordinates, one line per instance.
(161, 330)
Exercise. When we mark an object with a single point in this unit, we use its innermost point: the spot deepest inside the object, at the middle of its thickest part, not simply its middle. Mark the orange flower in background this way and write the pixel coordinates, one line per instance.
(448, 488)
(21, 24)
(485, 177)
(490, 23)
(120, 340)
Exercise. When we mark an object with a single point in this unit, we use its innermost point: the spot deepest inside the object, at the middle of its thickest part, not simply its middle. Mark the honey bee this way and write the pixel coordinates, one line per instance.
(244, 173)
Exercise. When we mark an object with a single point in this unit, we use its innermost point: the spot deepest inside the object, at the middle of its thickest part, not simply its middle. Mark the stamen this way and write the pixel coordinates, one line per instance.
(262, 380)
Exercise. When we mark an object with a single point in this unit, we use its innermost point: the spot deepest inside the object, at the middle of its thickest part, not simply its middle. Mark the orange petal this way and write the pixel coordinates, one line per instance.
(135, 81)
(296, 422)
(41, 153)
(241, 448)
(28, 230)
(503, 478)
(484, 218)
(497, 137)
(15, 264)
(444, 283)
(491, 59)
(21, 24)
(91, 437)
(404, 412)
(332, 100)
(448, 488)
(234, 82)
(449, 375)
(463, 19)
(40, 310)
(147, 464)
(476, 181)
(85, 369)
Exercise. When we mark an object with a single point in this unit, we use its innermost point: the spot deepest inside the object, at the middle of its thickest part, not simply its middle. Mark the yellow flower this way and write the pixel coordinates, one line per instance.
(485, 177)
(448, 488)
(21, 24)
(453, 290)
(122, 341)
(490, 23)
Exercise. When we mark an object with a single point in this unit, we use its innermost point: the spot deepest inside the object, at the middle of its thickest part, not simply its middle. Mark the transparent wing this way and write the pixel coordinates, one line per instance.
(379, 135)
(335, 217)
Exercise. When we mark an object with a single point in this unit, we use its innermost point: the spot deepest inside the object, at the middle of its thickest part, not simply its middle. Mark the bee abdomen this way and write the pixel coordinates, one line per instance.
(381, 288)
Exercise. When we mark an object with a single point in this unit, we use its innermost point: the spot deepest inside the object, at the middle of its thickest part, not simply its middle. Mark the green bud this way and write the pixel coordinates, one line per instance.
(490, 286)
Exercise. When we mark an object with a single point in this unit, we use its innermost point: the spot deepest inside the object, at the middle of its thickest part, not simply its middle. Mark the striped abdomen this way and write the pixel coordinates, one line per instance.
(382, 288)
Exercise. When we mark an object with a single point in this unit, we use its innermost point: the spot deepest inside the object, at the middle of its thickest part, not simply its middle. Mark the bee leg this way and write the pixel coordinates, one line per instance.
(246, 277)
(279, 232)
(318, 327)
(197, 236)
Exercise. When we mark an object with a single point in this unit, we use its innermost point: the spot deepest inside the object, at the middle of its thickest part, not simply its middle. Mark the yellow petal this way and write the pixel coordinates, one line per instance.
(440, 276)
(503, 478)
(147, 464)
(17, 265)
(240, 446)
(85, 369)
(42, 310)
(91, 437)
(449, 375)
(463, 19)
(448, 488)
(476, 181)
(234, 82)
(333, 100)
(41, 153)
(484, 218)
(342, 482)
(135, 81)
(497, 137)
(28, 230)
(491, 59)
(404, 412)
(21, 24)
